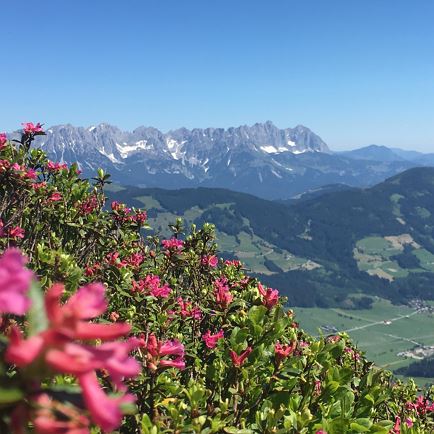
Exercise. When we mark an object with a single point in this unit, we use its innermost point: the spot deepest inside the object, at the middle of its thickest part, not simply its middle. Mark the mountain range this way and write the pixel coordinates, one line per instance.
(321, 250)
(261, 159)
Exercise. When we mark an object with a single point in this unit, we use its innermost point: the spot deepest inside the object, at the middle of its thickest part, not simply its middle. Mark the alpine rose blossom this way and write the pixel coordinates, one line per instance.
(270, 297)
(211, 340)
(397, 426)
(173, 244)
(156, 350)
(15, 281)
(16, 232)
(238, 360)
(31, 128)
(222, 294)
(187, 309)
(55, 167)
(152, 283)
(210, 261)
(57, 418)
(55, 197)
(3, 140)
(284, 351)
(62, 347)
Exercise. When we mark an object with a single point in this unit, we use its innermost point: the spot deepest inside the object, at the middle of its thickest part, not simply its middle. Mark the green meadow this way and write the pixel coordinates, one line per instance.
(371, 331)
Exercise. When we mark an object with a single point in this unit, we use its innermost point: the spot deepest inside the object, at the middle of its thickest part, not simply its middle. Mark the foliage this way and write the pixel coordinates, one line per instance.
(217, 350)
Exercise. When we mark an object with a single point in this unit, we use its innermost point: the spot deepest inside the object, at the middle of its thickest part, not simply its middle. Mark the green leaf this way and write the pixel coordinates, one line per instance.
(256, 314)
(37, 316)
(361, 425)
(9, 396)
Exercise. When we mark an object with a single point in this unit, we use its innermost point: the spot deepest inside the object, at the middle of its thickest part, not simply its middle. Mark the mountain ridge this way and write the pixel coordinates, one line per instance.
(261, 159)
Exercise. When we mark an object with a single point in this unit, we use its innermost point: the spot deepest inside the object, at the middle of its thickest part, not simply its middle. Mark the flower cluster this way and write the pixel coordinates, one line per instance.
(223, 295)
(173, 244)
(13, 232)
(64, 344)
(3, 140)
(56, 167)
(161, 355)
(124, 214)
(212, 339)
(30, 128)
(270, 297)
(151, 284)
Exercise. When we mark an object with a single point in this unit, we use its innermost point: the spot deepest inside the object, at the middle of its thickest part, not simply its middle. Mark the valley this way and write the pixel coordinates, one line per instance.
(318, 251)
(392, 336)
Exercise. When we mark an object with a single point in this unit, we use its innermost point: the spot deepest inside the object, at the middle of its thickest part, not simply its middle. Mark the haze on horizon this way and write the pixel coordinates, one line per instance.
(356, 73)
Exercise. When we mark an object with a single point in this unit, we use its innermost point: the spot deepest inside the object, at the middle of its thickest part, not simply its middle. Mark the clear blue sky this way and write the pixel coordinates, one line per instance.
(355, 71)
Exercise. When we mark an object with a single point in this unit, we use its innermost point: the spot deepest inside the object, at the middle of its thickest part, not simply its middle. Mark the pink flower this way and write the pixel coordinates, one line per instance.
(113, 357)
(68, 322)
(317, 388)
(16, 232)
(354, 354)
(90, 270)
(16, 167)
(15, 281)
(135, 259)
(397, 427)
(2, 230)
(4, 165)
(421, 406)
(105, 411)
(31, 174)
(89, 205)
(153, 285)
(58, 418)
(55, 197)
(56, 167)
(283, 351)
(157, 350)
(173, 244)
(233, 263)
(238, 360)
(162, 291)
(114, 316)
(56, 346)
(270, 297)
(187, 309)
(210, 261)
(113, 259)
(222, 294)
(409, 422)
(211, 340)
(31, 128)
(140, 217)
(321, 431)
(38, 185)
(3, 140)
(115, 205)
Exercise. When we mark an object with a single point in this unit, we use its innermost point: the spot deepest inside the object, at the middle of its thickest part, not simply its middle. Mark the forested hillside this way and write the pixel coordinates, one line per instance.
(318, 251)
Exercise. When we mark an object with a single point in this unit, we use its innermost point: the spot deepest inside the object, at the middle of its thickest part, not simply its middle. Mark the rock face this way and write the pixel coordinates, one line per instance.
(260, 159)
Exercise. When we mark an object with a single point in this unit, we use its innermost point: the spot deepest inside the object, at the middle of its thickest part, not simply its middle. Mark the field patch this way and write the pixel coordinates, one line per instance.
(387, 257)
(385, 332)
